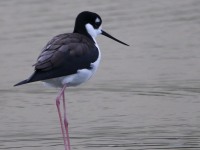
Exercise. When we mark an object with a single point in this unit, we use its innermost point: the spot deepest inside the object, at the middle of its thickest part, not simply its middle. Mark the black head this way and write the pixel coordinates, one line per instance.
(87, 18)
(89, 24)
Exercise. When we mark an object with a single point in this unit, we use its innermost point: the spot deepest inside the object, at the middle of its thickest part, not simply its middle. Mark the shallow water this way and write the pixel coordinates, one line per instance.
(143, 97)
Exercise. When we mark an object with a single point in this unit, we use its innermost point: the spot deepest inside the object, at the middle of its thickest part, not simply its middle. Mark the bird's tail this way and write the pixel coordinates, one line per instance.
(30, 79)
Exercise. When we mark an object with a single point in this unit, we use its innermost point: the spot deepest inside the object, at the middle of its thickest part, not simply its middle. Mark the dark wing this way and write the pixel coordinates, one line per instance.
(64, 55)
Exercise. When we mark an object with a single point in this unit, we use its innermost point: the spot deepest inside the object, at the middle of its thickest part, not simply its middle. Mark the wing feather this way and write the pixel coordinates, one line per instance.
(64, 55)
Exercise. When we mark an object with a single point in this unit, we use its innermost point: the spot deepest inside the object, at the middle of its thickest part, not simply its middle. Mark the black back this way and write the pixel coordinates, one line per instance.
(64, 55)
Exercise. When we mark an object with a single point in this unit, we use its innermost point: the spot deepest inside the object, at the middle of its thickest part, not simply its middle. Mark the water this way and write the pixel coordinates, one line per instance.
(143, 97)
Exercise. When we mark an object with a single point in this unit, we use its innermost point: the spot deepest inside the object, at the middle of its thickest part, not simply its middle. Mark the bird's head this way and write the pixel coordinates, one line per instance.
(90, 24)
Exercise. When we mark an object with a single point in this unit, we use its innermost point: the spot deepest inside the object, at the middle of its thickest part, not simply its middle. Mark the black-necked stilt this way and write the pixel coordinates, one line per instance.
(70, 59)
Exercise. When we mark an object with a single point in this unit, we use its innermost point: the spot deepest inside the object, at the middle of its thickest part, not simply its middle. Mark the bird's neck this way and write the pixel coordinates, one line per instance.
(87, 35)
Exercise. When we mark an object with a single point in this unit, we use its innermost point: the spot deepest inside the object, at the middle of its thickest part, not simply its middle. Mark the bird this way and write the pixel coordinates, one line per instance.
(70, 59)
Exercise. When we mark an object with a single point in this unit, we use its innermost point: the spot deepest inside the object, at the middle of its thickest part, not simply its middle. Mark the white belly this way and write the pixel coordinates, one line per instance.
(75, 79)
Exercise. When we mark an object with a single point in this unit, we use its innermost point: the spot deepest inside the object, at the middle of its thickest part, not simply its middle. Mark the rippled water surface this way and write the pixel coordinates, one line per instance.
(143, 97)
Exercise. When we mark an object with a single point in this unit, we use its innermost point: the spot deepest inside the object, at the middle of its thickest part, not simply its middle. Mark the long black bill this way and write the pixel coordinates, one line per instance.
(108, 35)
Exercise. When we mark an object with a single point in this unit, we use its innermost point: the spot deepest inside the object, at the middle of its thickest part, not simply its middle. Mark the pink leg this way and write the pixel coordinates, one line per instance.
(60, 116)
(66, 122)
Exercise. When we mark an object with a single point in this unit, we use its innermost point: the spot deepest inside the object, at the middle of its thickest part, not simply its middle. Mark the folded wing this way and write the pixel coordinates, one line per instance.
(64, 55)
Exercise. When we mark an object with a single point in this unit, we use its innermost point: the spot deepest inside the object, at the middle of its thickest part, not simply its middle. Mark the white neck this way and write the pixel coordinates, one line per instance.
(93, 32)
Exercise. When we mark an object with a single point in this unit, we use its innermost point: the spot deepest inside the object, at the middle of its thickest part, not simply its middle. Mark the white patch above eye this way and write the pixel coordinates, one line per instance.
(97, 20)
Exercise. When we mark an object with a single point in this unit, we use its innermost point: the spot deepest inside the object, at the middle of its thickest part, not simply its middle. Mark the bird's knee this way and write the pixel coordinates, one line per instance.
(66, 122)
(57, 101)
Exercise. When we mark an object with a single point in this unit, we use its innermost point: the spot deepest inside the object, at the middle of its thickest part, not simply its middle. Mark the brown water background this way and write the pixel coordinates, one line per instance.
(143, 97)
